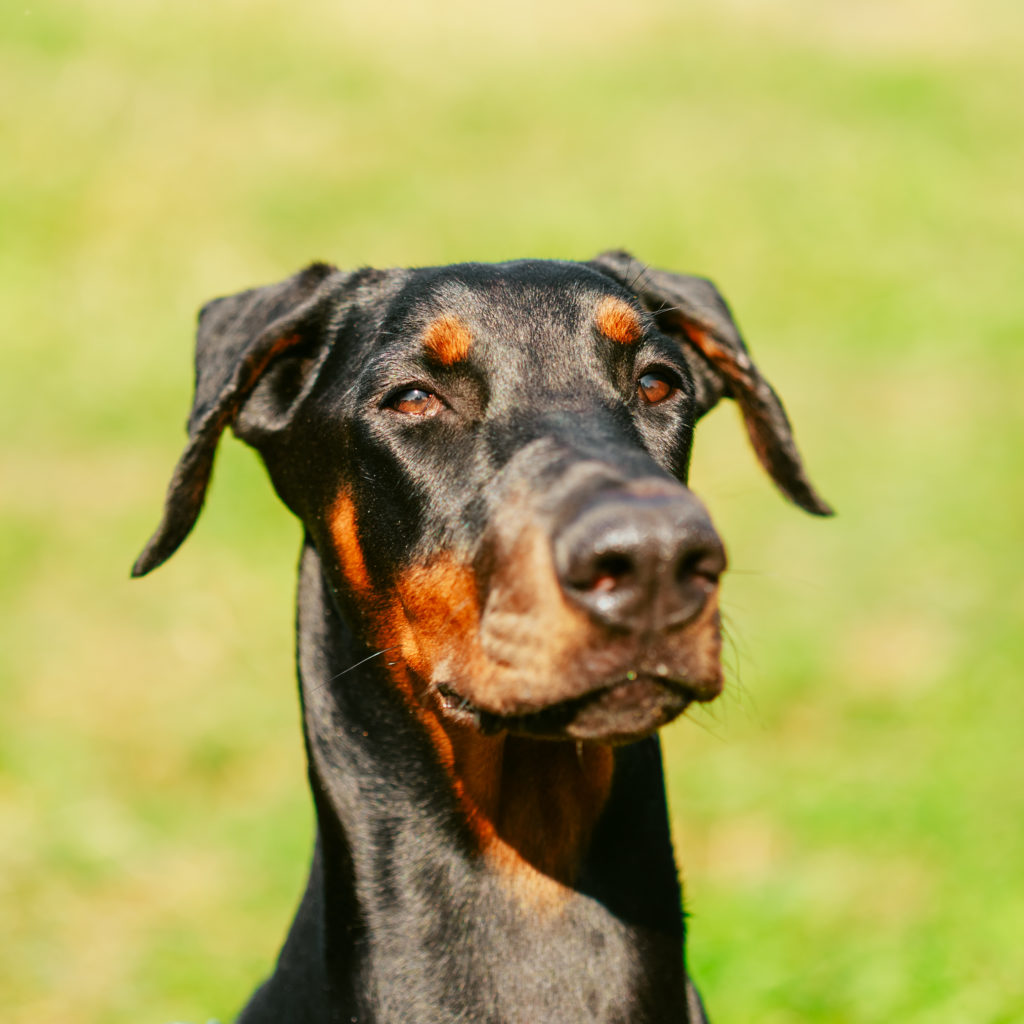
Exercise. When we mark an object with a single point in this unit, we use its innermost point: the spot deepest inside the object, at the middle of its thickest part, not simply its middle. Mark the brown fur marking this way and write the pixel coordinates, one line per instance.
(618, 320)
(551, 797)
(716, 354)
(448, 340)
(345, 535)
(531, 804)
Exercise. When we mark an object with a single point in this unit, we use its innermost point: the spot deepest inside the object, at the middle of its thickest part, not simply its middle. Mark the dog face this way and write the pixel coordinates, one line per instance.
(491, 462)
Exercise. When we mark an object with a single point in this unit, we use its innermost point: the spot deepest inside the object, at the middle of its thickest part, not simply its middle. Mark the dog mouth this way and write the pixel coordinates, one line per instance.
(622, 711)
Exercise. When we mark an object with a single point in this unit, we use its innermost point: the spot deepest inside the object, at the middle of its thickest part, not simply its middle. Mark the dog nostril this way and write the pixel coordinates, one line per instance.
(609, 571)
(699, 562)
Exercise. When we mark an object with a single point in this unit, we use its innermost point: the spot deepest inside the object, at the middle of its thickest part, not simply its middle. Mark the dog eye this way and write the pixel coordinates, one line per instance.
(415, 402)
(655, 387)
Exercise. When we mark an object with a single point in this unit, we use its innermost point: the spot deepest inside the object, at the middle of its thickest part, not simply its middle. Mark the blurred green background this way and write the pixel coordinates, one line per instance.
(850, 815)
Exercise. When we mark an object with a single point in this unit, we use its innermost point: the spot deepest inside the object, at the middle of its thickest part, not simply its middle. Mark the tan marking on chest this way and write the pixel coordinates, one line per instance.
(532, 806)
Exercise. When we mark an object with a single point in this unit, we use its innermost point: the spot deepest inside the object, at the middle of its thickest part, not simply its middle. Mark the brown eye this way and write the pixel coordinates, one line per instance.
(654, 388)
(416, 402)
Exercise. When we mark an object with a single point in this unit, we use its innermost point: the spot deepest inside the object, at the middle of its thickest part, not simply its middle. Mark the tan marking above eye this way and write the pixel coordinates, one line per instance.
(617, 319)
(447, 339)
(654, 388)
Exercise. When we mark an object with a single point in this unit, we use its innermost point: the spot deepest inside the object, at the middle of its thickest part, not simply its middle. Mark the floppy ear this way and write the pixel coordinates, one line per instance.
(691, 310)
(237, 340)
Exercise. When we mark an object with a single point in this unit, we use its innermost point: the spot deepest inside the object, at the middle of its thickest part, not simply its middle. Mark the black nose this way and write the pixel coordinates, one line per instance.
(640, 562)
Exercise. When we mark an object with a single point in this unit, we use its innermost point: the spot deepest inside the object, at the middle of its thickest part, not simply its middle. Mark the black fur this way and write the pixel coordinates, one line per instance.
(405, 918)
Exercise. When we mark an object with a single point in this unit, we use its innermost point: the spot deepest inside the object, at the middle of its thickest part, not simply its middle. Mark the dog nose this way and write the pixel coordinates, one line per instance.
(640, 562)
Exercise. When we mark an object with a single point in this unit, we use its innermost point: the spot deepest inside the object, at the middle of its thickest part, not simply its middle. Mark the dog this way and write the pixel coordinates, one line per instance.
(505, 588)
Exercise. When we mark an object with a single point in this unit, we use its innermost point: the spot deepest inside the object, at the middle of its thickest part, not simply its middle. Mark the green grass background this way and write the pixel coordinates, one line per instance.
(850, 815)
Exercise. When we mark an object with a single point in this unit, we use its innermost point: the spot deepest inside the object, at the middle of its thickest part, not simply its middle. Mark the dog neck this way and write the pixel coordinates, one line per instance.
(425, 868)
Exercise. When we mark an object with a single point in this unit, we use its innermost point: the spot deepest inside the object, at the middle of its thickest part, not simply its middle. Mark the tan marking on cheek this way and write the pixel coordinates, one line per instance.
(506, 655)
(448, 340)
(438, 605)
(344, 530)
(618, 320)
(432, 613)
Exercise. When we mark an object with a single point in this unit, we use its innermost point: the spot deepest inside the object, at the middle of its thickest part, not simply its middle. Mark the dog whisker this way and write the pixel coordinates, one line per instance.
(644, 267)
(362, 661)
(704, 726)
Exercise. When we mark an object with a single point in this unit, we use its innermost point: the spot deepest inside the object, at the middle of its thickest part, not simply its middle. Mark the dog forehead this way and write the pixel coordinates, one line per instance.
(517, 302)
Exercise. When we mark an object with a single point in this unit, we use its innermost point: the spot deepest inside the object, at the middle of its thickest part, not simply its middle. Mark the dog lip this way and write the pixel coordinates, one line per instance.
(552, 720)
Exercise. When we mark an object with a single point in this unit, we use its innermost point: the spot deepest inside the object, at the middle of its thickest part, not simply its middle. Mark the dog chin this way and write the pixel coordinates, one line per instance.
(629, 710)
(621, 712)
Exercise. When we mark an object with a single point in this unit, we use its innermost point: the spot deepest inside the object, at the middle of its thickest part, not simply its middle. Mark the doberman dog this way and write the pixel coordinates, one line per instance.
(505, 588)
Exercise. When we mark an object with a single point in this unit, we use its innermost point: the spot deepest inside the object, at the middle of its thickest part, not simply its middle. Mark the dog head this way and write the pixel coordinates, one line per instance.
(491, 462)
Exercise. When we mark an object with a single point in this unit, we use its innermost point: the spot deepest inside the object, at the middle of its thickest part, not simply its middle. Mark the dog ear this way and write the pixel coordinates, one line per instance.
(691, 310)
(238, 339)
